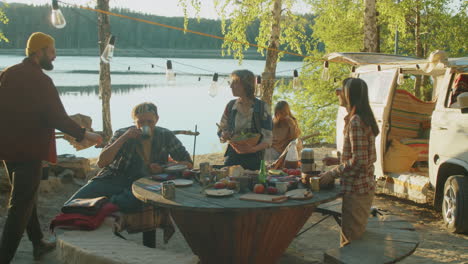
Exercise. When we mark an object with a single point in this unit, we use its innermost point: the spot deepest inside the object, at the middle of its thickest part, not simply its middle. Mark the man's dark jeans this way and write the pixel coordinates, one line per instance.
(25, 177)
(118, 189)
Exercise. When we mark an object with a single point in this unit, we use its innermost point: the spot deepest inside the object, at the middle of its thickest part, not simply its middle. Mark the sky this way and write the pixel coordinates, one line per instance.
(156, 7)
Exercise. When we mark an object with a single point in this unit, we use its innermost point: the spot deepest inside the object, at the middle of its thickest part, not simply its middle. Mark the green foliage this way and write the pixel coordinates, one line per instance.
(440, 27)
(249, 13)
(339, 28)
(3, 20)
(339, 24)
(315, 104)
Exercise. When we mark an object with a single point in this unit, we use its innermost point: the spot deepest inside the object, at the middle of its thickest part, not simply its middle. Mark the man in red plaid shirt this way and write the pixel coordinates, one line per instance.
(356, 170)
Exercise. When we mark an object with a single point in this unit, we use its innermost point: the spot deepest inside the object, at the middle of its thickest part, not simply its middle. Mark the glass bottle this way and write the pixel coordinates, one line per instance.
(262, 173)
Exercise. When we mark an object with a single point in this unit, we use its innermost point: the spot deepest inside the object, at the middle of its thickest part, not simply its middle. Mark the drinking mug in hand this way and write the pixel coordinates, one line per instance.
(145, 132)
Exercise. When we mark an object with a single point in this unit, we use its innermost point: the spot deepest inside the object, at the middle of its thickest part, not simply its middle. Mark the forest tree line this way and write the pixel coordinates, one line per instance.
(81, 29)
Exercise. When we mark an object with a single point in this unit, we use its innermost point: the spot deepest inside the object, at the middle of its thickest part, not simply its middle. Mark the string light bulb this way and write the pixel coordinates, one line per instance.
(379, 68)
(56, 17)
(213, 91)
(258, 86)
(108, 53)
(401, 77)
(296, 80)
(325, 72)
(170, 75)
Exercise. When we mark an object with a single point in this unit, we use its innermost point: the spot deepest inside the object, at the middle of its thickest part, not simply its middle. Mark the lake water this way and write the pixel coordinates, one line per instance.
(181, 105)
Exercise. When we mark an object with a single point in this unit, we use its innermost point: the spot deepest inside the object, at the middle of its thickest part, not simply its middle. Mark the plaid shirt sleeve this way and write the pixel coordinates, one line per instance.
(175, 148)
(359, 146)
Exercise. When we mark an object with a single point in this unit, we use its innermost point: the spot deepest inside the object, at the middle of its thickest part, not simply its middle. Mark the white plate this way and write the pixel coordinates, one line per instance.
(219, 192)
(176, 168)
(182, 182)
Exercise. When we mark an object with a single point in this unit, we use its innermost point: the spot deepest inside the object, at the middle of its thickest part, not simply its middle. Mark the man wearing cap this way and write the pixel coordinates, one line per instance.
(30, 111)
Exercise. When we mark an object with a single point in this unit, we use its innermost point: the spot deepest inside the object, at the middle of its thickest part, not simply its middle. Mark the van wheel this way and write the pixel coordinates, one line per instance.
(455, 204)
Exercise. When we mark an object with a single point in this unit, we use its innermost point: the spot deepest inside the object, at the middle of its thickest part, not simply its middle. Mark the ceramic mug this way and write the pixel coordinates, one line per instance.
(282, 186)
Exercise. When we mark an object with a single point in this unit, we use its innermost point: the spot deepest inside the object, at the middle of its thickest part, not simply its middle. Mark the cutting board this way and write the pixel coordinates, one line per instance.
(265, 198)
(299, 194)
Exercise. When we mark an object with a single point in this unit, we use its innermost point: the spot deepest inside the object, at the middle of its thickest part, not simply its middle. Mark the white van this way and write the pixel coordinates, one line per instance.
(436, 130)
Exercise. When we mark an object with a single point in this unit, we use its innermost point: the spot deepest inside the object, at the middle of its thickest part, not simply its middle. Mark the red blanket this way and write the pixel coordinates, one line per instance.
(83, 222)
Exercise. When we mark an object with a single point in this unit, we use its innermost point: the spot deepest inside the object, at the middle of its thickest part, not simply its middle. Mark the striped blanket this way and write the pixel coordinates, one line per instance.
(407, 115)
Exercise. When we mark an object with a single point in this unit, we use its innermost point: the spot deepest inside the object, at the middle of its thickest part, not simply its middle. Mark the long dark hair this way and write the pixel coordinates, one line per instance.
(356, 94)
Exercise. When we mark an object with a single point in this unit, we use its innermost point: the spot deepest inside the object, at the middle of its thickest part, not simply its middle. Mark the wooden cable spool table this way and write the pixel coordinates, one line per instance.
(229, 230)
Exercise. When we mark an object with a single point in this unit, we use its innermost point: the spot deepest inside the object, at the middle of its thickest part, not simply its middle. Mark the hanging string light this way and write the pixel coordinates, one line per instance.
(213, 91)
(128, 67)
(170, 75)
(108, 53)
(353, 69)
(379, 68)
(56, 18)
(325, 72)
(401, 77)
(258, 86)
(296, 80)
(152, 65)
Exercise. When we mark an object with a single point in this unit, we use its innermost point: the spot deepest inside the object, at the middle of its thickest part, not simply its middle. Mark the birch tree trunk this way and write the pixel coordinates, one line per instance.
(418, 50)
(104, 70)
(370, 27)
(269, 73)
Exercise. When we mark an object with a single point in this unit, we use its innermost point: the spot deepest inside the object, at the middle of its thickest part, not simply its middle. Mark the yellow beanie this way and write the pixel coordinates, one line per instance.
(37, 41)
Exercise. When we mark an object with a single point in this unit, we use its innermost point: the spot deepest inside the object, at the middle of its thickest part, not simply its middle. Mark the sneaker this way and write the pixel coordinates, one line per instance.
(42, 248)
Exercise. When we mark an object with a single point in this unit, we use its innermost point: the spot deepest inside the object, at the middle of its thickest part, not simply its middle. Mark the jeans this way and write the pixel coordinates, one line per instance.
(25, 177)
(117, 189)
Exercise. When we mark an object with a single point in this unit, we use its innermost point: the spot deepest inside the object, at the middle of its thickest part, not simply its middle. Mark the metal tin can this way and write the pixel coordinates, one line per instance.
(168, 190)
(315, 184)
(307, 160)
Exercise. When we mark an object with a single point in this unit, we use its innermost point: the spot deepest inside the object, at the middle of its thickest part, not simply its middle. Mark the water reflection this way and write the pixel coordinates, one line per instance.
(94, 89)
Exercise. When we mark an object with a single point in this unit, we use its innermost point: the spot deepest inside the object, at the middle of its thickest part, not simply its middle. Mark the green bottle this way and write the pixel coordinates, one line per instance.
(262, 173)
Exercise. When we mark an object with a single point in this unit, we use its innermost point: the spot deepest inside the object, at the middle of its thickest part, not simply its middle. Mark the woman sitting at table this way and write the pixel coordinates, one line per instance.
(285, 129)
(245, 114)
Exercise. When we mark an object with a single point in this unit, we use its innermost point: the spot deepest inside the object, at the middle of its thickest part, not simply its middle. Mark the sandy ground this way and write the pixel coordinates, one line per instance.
(436, 246)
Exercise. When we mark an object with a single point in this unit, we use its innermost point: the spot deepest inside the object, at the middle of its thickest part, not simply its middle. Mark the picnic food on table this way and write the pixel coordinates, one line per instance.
(220, 185)
(259, 188)
(272, 190)
(232, 185)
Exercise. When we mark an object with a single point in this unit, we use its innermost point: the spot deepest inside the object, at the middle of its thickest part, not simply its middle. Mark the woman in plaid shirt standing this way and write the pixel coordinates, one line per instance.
(356, 169)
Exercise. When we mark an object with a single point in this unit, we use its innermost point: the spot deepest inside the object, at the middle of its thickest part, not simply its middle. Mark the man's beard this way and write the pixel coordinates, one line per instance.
(46, 64)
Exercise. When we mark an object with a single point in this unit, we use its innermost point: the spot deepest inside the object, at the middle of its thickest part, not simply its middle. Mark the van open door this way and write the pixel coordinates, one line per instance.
(380, 74)
(381, 86)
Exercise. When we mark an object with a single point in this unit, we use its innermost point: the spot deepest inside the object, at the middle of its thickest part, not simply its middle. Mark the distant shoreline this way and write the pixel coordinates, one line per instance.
(156, 52)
